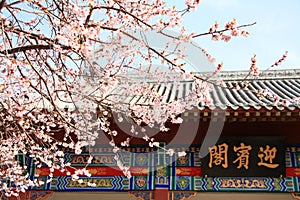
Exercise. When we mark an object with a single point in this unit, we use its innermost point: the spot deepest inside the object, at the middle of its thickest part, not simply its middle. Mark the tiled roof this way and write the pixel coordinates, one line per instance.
(284, 84)
(281, 84)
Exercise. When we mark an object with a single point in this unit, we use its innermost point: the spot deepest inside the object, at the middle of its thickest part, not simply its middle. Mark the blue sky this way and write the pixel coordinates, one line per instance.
(277, 30)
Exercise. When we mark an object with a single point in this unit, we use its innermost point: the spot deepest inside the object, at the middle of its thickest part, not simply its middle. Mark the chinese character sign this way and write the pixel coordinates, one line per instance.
(267, 156)
(218, 155)
(242, 153)
(247, 156)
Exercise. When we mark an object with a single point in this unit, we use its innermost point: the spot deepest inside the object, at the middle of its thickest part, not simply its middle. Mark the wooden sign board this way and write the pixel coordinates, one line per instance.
(246, 157)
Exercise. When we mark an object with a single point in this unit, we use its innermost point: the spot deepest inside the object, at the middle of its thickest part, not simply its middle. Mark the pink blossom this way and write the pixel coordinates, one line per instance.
(254, 68)
(235, 32)
(244, 33)
(182, 154)
(170, 152)
(215, 36)
(226, 38)
(192, 3)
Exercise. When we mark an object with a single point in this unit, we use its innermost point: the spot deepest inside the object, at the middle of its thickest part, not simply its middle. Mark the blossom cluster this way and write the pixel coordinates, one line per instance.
(254, 68)
(231, 26)
(69, 66)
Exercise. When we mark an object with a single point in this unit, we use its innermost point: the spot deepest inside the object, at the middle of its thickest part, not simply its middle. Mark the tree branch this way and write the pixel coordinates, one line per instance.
(125, 12)
(2, 4)
(221, 31)
(30, 47)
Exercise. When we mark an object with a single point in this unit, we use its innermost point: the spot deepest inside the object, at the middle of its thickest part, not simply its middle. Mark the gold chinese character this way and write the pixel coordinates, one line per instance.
(266, 157)
(243, 155)
(218, 155)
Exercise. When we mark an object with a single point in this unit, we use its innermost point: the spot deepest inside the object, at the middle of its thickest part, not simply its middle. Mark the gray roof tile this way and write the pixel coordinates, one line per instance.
(284, 84)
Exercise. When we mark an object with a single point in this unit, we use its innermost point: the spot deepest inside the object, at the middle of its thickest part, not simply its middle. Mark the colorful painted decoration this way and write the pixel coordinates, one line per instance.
(174, 174)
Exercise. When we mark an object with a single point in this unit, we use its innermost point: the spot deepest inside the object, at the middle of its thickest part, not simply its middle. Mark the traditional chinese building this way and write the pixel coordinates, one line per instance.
(244, 142)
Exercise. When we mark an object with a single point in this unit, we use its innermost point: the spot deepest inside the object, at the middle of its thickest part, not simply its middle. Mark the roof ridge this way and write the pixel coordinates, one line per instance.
(235, 75)
(264, 75)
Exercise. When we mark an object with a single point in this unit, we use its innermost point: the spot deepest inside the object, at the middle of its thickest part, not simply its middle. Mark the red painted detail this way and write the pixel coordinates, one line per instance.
(292, 171)
(188, 171)
(94, 171)
(141, 171)
(161, 194)
(115, 171)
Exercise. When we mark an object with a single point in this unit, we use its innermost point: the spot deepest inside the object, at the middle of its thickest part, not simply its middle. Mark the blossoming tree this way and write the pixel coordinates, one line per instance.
(89, 54)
